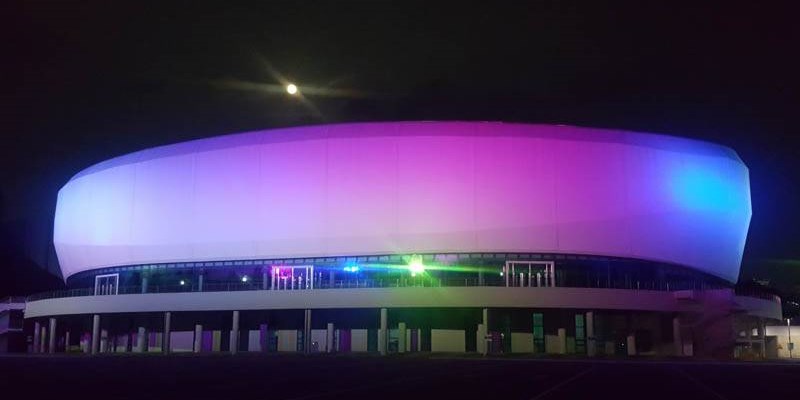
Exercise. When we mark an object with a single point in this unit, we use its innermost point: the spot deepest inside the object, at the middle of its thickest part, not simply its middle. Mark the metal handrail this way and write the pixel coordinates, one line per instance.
(750, 292)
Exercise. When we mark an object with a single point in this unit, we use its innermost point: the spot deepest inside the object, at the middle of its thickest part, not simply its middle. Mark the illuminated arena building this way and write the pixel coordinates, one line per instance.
(403, 237)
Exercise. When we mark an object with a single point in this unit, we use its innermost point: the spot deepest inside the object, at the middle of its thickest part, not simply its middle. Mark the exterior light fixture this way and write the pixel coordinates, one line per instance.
(415, 266)
(183, 282)
(351, 268)
(291, 88)
(244, 279)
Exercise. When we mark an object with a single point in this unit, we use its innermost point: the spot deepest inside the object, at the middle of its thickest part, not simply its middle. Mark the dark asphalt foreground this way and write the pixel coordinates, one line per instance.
(251, 376)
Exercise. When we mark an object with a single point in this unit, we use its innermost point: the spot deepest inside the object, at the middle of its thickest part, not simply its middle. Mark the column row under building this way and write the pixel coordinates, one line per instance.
(394, 330)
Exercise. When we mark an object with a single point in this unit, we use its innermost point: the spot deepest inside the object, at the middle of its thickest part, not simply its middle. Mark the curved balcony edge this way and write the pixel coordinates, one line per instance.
(411, 297)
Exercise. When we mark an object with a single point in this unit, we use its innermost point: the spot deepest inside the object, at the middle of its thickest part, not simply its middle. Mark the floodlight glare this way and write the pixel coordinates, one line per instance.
(351, 268)
(415, 266)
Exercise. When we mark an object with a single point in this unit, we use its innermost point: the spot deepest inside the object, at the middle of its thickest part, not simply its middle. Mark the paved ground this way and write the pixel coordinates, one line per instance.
(249, 376)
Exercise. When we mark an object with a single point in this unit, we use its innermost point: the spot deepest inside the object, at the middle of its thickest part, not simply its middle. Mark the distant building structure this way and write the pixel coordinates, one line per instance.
(12, 337)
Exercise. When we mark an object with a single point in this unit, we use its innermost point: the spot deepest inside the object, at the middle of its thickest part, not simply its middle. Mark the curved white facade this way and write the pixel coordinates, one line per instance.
(418, 187)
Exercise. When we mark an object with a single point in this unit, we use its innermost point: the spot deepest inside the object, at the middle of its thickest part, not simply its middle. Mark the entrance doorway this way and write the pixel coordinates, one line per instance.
(106, 284)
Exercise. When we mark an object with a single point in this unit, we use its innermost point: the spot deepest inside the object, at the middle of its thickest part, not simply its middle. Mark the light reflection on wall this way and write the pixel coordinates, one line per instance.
(410, 188)
(705, 188)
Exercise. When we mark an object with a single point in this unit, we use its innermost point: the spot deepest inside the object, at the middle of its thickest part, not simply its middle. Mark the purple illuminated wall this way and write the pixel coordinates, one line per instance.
(362, 189)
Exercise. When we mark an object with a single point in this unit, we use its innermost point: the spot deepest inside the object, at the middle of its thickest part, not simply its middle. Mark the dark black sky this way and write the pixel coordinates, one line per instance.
(84, 82)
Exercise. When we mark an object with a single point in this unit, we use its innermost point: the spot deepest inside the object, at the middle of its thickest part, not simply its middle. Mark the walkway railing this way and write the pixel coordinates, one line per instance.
(760, 294)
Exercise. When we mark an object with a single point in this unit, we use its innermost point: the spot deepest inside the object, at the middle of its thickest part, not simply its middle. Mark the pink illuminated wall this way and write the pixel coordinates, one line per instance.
(378, 188)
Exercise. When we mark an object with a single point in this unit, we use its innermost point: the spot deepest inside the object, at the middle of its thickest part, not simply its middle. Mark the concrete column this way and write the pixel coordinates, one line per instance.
(198, 338)
(36, 340)
(66, 342)
(263, 332)
(401, 337)
(480, 339)
(141, 334)
(483, 330)
(307, 332)
(165, 342)
(200, 283)
(264, 279)
(382, 332)
(562, 341)
(104, 341)
(43, 340)
(95, 343)
(591, 342)
(676, 336)
(631, 345)
(86, 343)
(329, 338)
(144, 284)
(235, 333)
(51, 348)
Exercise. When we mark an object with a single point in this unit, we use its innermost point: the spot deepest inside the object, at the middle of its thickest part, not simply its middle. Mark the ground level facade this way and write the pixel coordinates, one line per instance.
(525, 304)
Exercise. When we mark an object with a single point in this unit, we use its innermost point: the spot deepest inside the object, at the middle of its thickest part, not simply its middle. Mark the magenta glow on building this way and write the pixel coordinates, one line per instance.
(408, 236)
(410, 187)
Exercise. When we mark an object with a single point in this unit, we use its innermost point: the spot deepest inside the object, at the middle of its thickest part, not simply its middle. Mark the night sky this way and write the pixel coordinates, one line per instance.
(85, 82)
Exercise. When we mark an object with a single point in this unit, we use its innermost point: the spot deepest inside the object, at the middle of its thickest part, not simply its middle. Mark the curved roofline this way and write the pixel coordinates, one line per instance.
(323, 131)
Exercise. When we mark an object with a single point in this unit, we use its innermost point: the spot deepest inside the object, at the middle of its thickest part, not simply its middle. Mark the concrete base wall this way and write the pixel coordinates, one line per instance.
(320, 337)
(551, 344)
(181, 341)
(216, 341)
(287, 340)
(521, 342)
(122, 343)
(154, 340)
(447, 340)
(254, 341)
(359, 339)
